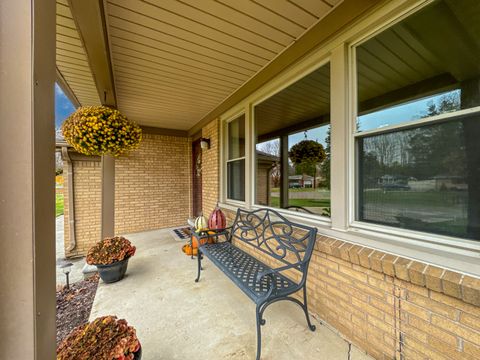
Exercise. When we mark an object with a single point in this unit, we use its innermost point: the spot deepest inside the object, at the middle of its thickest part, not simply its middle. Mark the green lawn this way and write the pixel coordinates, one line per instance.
(275, 202)
(58, 204)
(276, 189)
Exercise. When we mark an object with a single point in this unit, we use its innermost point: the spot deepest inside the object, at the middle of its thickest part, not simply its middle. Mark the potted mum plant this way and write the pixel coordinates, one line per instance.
(105, 338)
(111, 256)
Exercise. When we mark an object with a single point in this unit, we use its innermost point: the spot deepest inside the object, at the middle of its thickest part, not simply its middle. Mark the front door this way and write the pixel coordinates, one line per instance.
(197, 178)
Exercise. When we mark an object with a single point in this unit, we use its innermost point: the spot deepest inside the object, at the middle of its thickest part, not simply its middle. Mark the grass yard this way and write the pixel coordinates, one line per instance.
(58, 204)
(275, 202)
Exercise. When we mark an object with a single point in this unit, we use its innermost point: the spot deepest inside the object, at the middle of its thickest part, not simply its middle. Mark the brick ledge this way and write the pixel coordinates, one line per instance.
(459, 286)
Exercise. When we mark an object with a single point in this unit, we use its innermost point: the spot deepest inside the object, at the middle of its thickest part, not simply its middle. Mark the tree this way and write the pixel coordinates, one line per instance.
(305, 155)
(325, 166)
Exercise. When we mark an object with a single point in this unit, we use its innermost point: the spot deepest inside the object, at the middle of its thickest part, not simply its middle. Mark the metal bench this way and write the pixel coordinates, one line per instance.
(268, 233)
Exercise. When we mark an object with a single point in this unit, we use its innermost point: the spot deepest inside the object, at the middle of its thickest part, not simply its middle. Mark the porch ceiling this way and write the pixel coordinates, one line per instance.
(175, 61)
(72, 61)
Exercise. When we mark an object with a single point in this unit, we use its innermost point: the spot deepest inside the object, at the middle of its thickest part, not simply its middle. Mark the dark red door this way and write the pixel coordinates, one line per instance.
(197, 178)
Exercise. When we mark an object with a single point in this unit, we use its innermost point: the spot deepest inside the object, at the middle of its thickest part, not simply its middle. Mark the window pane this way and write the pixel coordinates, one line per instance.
(426, 65)
(236, 180)
(269, 174)
(236, 138)
(425, 179)
(297, 117)
(309, 180)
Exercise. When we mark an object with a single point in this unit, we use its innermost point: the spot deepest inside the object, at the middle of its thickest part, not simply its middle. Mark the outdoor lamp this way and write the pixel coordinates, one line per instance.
(66, 268)
(205, 143)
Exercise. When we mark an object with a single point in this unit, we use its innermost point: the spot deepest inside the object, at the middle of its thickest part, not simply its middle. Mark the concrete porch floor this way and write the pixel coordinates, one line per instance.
(177, 318)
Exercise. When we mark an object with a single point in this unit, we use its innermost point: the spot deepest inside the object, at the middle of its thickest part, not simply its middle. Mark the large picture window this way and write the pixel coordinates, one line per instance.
(418, 125)
(293, 146)
(236, 159)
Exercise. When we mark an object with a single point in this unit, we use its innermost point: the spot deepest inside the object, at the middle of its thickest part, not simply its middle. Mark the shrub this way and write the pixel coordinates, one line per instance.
(110, 250)
(105, 338)
(99, 130)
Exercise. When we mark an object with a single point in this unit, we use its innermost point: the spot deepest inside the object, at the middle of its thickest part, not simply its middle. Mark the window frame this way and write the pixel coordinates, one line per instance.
(227, 160)
(413, 237)
(325, 60)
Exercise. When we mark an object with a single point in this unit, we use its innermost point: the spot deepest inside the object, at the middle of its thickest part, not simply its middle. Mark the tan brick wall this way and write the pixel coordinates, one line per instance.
(152, 185)
(383, 303)
(87, 197)
(210, 168)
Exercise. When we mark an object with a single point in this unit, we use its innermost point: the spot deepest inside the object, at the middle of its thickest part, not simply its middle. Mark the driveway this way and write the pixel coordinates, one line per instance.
(76, 271)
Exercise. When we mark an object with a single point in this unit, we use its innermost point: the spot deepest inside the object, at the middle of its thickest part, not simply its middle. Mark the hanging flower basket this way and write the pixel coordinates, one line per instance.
(100, 130)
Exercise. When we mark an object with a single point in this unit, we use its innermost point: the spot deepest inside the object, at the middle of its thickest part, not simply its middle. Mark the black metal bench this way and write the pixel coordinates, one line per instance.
(288, 244)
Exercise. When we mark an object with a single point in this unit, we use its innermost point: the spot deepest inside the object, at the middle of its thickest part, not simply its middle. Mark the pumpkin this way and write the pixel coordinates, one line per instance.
(209, 240)
(200, 223)
(188, 250)
(217, 219)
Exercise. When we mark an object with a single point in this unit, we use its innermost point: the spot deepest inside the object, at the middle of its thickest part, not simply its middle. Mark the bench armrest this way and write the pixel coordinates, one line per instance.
(274, 271)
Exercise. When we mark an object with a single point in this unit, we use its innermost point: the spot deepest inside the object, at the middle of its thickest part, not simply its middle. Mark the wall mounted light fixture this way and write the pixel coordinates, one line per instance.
(205, 143)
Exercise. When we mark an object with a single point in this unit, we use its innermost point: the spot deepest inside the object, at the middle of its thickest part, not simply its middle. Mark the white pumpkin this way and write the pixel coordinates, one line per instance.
(201, 223)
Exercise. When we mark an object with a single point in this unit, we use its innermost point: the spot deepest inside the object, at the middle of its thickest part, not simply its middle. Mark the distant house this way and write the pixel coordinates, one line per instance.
(300, 181)
(267, 164)
(449, 182)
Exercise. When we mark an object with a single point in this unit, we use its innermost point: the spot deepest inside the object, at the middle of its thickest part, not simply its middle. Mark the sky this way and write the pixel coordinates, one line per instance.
(63, 106)
(410, 111)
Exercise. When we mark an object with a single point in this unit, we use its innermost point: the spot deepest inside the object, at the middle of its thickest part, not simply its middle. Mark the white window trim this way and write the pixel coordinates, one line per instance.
(224, 126)
(459, 255)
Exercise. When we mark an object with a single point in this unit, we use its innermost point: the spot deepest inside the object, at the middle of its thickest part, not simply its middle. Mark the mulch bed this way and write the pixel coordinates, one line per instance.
(74, 305)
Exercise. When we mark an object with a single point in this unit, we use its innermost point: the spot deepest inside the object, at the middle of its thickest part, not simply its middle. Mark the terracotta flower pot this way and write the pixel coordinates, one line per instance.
(113, 272)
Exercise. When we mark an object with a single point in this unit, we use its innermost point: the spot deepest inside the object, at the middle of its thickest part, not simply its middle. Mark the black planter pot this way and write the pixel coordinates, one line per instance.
(113, 272)
(138, 354)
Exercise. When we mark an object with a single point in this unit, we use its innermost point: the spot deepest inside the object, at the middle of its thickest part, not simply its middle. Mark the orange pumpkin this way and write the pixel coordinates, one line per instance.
(202, 241)
(187, 249)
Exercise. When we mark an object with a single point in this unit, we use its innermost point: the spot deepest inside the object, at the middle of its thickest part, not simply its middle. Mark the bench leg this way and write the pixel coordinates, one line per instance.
(199, 263)
(260, 322)
(305, 308)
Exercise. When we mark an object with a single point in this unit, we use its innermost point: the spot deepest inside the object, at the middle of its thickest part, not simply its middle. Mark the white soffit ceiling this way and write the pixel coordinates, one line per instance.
(71, 57)
(174, 61)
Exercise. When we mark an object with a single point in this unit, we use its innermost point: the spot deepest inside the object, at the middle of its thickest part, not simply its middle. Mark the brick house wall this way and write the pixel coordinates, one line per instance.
(152, 185)
(87, 193)
(392, 307)
(210, 168)
(152, 191)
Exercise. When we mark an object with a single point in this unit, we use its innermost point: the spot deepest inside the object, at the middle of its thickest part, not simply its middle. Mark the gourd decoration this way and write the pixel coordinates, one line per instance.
(201, 223)
(217, 219)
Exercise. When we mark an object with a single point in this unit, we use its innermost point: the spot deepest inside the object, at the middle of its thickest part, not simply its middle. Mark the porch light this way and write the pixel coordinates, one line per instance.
(66, 268)
(205, 143)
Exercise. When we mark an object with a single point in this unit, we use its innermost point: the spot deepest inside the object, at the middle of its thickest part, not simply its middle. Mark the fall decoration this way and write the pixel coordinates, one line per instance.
(100, 130)
(203, 240)
(200, 223)
(217, 219)
(105, 338)
(110, 250)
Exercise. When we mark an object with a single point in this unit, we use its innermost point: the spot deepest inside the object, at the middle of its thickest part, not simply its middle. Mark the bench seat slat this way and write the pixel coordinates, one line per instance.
(242, 269)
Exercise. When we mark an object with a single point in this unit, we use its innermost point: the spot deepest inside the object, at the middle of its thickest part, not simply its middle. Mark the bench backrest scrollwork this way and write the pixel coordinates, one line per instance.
(272, 234)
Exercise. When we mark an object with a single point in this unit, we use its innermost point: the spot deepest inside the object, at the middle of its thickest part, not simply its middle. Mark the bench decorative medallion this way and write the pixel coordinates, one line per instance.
(276, 240)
